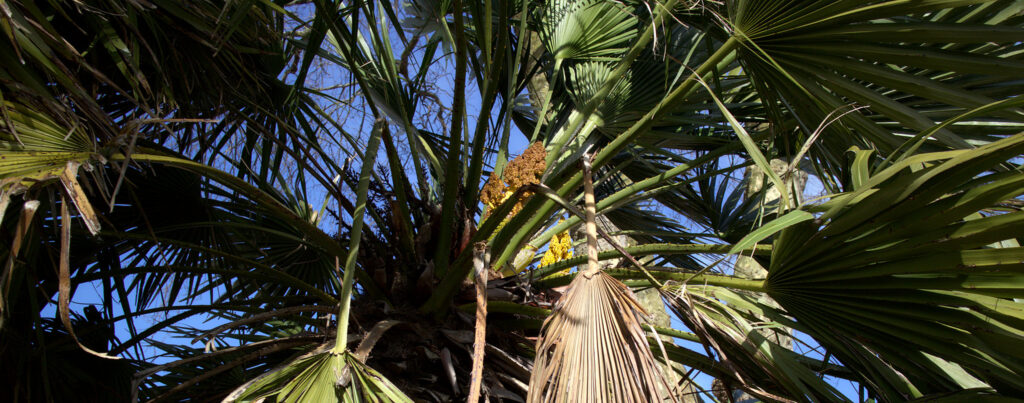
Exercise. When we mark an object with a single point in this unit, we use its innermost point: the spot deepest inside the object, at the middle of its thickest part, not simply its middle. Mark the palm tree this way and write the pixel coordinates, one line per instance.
(321, 183)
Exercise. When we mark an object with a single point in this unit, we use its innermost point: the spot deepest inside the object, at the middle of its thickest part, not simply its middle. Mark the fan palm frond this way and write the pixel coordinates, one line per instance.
(594, 347)
(912, 259)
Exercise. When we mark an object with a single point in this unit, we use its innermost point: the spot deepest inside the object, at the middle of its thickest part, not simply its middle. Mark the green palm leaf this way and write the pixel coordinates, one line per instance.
(812, 58)
(907, 261)
(755, 362)
(321, 376)
(587, 29)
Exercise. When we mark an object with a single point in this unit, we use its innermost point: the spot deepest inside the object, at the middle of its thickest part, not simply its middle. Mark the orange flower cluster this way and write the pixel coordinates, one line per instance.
(525, 169)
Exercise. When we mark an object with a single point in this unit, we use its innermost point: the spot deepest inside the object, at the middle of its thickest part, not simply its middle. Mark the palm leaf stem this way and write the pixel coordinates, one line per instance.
(341, 338)
(451, 174)
(630, 274)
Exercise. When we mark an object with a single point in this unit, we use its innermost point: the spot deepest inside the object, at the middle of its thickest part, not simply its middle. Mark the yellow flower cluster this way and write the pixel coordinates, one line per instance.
(493, 203)
(559, 249)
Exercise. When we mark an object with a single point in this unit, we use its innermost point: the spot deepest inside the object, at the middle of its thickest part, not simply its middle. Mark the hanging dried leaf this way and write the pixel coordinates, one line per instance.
(593, 349)
(27, 212)
(64, 286)
(74, 191)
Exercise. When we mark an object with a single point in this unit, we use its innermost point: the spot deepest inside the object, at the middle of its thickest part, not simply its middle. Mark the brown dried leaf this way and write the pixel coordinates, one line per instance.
(64, 282)
(593, 348)
(27, 212)
(74, 190)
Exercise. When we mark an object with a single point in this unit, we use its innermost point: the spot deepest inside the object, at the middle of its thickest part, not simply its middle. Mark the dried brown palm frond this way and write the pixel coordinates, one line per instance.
(593, 348)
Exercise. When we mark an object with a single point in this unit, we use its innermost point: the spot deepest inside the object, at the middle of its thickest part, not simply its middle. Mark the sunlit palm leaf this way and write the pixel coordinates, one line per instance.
(587, 29)
(321, 376)
(899, 281)
(813, 57)
(755, 360)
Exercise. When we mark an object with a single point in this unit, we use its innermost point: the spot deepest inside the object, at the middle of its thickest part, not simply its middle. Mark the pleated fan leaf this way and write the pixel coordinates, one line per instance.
(914, 280)
(321, 376)
(588, 29)
(631, 97)
(813, 57)
(593, 348)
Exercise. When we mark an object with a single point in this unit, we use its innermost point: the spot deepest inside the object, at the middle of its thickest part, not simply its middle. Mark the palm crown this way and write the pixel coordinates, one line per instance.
(301, 174)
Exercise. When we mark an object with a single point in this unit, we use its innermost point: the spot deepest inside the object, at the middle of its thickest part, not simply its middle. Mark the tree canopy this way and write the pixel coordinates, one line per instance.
(438, 200)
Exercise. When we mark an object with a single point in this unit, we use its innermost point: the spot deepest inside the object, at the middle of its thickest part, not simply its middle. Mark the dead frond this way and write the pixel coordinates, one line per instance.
(593, 348)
